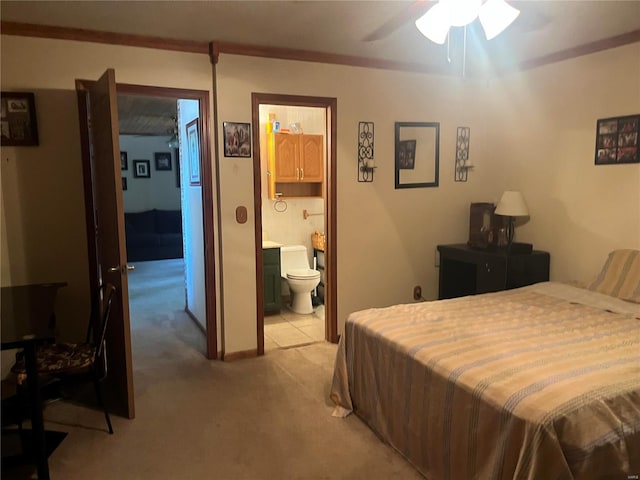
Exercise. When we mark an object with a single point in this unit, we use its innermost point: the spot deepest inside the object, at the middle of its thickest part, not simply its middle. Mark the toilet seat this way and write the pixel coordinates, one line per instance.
(303, 274)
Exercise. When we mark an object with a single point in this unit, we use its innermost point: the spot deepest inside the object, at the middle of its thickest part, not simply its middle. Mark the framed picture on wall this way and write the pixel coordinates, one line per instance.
(163, 160)
(19, 127)
(617, 140)
(124, 183)
(124, 163)
(193, 151)
(141, 169)
(406, 154)
(237, 139)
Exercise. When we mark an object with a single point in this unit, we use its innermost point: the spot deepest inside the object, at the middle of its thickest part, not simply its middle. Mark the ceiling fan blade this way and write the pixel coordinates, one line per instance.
(409, 14)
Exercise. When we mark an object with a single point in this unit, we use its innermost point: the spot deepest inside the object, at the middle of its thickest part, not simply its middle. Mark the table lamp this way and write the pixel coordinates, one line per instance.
(511, 205)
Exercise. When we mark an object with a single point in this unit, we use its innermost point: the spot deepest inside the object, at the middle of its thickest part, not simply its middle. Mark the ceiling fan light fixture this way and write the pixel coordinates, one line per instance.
(173, 142)
(496, 16)
(462, 12)
(435, 23)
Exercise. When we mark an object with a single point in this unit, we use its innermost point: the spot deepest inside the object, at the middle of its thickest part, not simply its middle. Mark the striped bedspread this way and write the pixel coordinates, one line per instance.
(541, 382)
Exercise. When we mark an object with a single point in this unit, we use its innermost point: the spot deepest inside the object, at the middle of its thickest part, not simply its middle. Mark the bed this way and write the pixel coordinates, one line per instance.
(539, 382)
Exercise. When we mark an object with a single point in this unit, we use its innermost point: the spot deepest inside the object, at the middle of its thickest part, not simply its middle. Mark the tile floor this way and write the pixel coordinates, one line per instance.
(288, 329)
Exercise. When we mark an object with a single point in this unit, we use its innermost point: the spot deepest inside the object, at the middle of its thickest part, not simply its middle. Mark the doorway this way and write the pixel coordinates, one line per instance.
(202, 188)
(163, 224)
(328, 106)
(97, 106)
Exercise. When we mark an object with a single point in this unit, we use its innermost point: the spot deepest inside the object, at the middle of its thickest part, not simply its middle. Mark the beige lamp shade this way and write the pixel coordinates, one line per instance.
(512, 204)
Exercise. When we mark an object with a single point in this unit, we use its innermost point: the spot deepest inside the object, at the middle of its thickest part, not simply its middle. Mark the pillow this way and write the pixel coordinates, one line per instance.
(620, 276)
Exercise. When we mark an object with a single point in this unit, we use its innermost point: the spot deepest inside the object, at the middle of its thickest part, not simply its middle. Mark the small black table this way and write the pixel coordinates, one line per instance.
(28, 319)
(468, 271)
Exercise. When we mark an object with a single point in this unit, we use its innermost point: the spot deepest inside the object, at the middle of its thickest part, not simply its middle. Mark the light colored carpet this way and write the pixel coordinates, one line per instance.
(261, 418)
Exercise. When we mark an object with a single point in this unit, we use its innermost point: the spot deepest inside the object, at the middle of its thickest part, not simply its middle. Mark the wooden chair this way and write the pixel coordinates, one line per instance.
(79, 362)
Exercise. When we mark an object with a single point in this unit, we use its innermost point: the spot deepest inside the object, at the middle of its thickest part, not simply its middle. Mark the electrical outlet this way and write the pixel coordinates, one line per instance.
(417, 292)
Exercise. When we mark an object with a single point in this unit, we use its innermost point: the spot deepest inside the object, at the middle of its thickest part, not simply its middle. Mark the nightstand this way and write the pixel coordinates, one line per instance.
(468, 271)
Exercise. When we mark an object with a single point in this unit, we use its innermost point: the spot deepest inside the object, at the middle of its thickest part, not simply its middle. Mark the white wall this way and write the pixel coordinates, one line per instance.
(533, 131)
(543, 136)
(159, 190)
(192, 220)
(386, 237)
(42, 189)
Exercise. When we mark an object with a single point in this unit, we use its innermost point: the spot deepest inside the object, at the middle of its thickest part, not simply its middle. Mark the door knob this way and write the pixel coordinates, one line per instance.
(117, 268)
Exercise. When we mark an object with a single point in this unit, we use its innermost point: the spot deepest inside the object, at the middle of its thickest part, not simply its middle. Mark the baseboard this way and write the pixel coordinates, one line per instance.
(195, 320)
(230, 357)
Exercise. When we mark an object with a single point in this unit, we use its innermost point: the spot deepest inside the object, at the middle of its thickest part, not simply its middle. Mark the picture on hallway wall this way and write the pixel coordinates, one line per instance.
(193, 152)
(163, 160)
(141, 169)
(19, 127)
(617, 140)
(124, 162)
(237, 139)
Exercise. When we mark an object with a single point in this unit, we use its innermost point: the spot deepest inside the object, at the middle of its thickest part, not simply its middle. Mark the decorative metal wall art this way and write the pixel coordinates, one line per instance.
(462, 154)
(366, 165)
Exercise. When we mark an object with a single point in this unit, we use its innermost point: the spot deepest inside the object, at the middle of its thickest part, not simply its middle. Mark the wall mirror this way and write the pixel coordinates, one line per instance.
(417, 154)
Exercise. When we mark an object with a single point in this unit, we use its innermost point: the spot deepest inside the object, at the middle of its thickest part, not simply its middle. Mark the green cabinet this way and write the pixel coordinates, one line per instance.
(271, 279)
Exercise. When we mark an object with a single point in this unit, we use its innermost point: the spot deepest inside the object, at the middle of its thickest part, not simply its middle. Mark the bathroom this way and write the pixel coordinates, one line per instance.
(293, 213)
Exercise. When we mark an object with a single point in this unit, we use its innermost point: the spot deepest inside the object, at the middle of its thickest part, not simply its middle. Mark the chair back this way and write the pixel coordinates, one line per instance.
(97, 330)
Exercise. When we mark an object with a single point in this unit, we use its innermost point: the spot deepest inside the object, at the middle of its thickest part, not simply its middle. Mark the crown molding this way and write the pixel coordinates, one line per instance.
(97, 36)
(217, 47)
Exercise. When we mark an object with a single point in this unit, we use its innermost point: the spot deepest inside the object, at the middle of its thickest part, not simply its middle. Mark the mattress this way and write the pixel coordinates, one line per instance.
(540, 382)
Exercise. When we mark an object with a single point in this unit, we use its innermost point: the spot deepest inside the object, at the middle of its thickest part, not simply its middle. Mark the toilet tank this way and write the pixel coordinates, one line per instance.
(293, 257)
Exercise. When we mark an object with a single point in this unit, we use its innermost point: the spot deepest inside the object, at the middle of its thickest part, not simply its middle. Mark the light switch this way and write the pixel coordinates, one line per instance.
(241, 214)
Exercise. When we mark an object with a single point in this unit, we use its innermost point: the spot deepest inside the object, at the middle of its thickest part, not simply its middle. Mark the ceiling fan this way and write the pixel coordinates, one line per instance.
(531, 19)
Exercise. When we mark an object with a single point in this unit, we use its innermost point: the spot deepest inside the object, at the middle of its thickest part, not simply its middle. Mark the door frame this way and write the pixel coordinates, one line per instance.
(207, 192)
(330, 105)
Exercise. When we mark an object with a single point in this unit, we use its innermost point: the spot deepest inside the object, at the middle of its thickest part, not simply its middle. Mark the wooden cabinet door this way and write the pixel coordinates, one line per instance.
(287, 152)
(491, 275)
(312, 158)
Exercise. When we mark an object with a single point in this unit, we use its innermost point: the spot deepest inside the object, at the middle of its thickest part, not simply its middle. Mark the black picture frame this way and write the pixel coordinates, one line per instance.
(618, 140)
(124, 162)
(142, 169)
(237, 139)
(417, 154)
(163, 161)
(124, 183)
(18, 119)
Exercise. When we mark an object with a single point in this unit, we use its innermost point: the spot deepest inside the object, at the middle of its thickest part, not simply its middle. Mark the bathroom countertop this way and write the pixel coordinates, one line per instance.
(270, 244)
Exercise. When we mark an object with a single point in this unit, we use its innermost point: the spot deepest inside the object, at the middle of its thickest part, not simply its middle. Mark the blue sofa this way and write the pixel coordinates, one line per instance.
(153, 235)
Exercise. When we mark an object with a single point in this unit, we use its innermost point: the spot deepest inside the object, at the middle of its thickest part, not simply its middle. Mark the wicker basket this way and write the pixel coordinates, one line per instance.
(317, 240)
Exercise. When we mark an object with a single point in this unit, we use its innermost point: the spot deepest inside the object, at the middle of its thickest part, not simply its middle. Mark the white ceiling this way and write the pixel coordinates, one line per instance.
(342, 27)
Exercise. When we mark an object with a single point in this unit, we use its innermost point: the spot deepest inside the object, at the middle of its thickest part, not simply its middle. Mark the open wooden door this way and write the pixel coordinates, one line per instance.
(100, 105)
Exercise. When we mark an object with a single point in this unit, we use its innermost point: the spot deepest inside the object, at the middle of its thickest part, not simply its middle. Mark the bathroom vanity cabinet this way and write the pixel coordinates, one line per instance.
(295, 165)
(271, 279)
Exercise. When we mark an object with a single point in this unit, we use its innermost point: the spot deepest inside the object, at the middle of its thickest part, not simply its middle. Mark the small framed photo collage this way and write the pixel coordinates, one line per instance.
(617, 140)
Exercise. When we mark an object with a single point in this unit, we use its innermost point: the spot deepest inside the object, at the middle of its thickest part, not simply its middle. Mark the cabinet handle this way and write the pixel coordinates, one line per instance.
(302, 174)
(297, 174)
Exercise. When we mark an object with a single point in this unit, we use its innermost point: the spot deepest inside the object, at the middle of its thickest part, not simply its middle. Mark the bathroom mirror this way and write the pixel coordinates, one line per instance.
(417, 154)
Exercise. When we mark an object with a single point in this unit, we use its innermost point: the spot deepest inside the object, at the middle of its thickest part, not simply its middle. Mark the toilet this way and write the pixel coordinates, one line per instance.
(302, 280)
